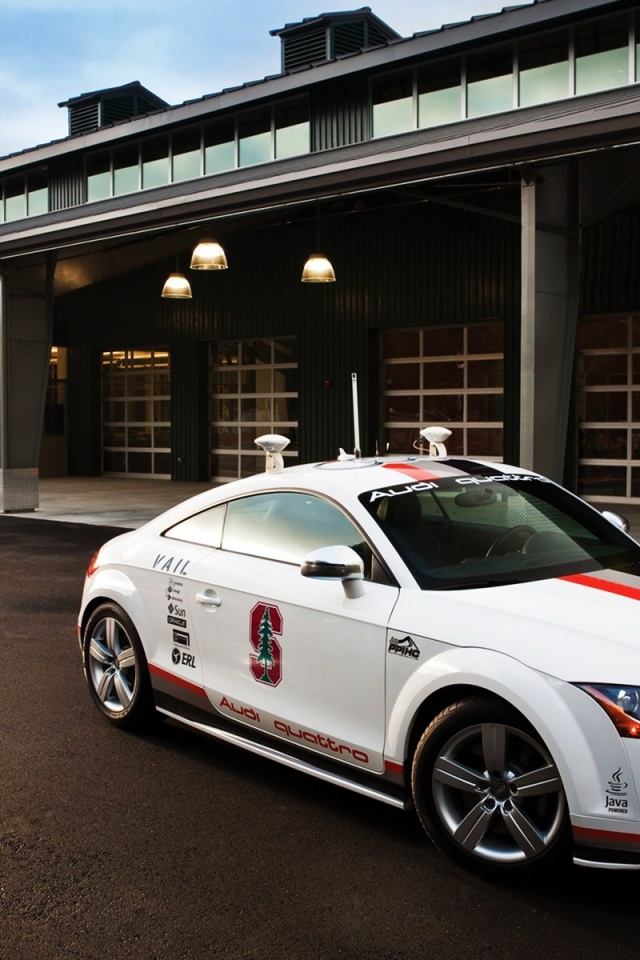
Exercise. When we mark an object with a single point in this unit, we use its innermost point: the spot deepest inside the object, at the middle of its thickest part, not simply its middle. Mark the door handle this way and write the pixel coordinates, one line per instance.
(208, 599)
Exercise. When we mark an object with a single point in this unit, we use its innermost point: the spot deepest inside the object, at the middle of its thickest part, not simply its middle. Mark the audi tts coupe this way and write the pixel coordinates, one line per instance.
(456, 636)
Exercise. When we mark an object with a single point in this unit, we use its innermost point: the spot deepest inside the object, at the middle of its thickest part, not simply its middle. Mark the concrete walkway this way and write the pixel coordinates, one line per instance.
(108, 501)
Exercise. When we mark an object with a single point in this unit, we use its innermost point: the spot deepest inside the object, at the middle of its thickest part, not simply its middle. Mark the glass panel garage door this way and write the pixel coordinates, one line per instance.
(136, 415)
(608, 399)
(450, 376)
(254, 390)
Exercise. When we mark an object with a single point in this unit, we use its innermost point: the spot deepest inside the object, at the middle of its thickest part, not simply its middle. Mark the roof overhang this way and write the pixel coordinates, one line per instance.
(586, 124)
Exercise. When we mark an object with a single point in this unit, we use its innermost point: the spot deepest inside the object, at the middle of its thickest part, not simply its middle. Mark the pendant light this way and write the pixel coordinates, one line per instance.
(318, 269)
(176, 287)
(208, 255)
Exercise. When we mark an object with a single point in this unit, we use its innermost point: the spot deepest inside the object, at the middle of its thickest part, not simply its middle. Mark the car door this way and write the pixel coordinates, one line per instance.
(292, 656)
(162, 567)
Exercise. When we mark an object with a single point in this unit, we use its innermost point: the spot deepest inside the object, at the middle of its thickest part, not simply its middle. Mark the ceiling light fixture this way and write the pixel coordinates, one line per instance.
(176, 287)
(318, 269)
(208, 255)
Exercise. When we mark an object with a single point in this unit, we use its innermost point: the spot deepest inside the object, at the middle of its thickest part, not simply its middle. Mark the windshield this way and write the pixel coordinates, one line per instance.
(476, 531)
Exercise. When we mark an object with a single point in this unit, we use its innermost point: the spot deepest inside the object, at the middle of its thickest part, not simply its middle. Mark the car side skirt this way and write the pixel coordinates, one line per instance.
(188, 703)
(606, 849)
(295, 763)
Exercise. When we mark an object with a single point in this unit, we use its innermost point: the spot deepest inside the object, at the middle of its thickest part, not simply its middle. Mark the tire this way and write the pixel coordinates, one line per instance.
(488, 793)
(116, 668)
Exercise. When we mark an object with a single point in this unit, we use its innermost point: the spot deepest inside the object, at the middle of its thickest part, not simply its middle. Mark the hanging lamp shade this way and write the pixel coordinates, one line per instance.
(208, 255)
(176, 287)
(318, 269)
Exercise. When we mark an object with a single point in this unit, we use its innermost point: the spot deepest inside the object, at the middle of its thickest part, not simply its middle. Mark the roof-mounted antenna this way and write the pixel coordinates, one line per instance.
(436, 436)
(273, 444)
(357, 452)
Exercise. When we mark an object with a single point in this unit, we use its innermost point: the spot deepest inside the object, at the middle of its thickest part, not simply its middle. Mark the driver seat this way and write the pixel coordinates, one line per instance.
(401, 518)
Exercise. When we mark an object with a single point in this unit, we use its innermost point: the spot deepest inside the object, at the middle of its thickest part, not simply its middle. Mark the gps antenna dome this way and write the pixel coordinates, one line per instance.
(436, 437)
(273, 444)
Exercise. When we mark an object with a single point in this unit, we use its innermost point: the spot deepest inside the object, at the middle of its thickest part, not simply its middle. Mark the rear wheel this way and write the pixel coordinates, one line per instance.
(116, 668)
(488, 793)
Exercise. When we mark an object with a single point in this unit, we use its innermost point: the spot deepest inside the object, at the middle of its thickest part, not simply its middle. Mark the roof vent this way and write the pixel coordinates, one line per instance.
(100, 108)
(331, 35)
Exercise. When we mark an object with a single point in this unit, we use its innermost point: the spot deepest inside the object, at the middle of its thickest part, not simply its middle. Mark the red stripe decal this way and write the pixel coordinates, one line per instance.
(608, 836)
(390, 766)
(411, 471)
(172, 678)
(633, 593)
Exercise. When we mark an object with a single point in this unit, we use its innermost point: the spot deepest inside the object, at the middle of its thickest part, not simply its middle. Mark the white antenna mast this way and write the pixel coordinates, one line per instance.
(356, 418)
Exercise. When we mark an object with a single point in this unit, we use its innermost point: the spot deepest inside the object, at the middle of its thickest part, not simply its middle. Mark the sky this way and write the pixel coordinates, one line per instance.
(52, 50)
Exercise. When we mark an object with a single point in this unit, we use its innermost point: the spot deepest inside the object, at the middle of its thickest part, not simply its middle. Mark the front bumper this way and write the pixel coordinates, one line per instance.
(597, 845)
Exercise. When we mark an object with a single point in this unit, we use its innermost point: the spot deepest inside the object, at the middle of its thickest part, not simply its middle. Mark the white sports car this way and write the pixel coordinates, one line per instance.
(459, 636)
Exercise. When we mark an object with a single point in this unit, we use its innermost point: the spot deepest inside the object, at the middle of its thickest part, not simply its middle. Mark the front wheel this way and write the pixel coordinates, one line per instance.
(116, 668)
(488, 793)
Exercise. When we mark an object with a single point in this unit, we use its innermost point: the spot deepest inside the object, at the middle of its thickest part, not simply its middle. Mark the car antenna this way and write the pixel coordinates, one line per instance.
(357, 452)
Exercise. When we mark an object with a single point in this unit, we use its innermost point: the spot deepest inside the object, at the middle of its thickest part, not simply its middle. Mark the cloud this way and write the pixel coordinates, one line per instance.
(87, 7)
(52, 50)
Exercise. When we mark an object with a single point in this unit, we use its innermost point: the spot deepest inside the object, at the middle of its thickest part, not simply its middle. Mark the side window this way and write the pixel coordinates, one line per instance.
(287, 526)
(204, 528)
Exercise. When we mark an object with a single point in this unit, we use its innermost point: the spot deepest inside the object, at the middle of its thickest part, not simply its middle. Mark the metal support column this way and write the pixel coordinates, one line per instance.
(25, 349)
(550, 285)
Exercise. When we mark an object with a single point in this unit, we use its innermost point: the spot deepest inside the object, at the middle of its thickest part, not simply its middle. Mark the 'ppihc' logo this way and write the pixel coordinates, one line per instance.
(404, 648)
(266, 661)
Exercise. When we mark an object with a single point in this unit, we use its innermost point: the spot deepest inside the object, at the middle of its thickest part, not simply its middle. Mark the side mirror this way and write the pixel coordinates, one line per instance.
(617, 520)
(336, 563)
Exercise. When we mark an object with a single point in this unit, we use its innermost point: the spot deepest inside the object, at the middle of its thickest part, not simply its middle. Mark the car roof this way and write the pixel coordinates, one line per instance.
(369, 473)
(344, 480)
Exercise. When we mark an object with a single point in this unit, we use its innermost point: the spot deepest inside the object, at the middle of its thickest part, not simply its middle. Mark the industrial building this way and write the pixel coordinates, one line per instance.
(475, 190)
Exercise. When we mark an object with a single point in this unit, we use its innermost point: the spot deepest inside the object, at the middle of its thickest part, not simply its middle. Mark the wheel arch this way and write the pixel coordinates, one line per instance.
(87, 610)
(574, 729)
(442, 698)
(114, 586)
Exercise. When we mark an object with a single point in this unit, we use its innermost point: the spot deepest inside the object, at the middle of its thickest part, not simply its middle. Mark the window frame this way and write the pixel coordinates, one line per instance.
(106, 160)
(280, 502)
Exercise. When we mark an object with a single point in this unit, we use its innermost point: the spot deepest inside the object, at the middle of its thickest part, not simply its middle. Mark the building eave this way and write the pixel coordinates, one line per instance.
(533, 135)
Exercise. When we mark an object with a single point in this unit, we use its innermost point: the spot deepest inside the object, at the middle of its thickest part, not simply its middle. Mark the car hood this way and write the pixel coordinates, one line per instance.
(580, 628)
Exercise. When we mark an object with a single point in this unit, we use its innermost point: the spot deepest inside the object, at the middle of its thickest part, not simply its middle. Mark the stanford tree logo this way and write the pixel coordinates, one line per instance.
(266, 661)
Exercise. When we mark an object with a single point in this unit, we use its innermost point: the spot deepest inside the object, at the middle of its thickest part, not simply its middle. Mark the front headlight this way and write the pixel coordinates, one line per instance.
(620, 702)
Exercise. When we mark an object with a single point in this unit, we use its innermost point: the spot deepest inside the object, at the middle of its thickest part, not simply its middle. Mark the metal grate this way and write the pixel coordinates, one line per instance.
(119, 108)
(301, 50)
(348, 38)
(84, 117)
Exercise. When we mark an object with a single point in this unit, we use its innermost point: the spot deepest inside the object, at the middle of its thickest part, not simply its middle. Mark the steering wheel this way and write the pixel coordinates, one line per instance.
(502, 544)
